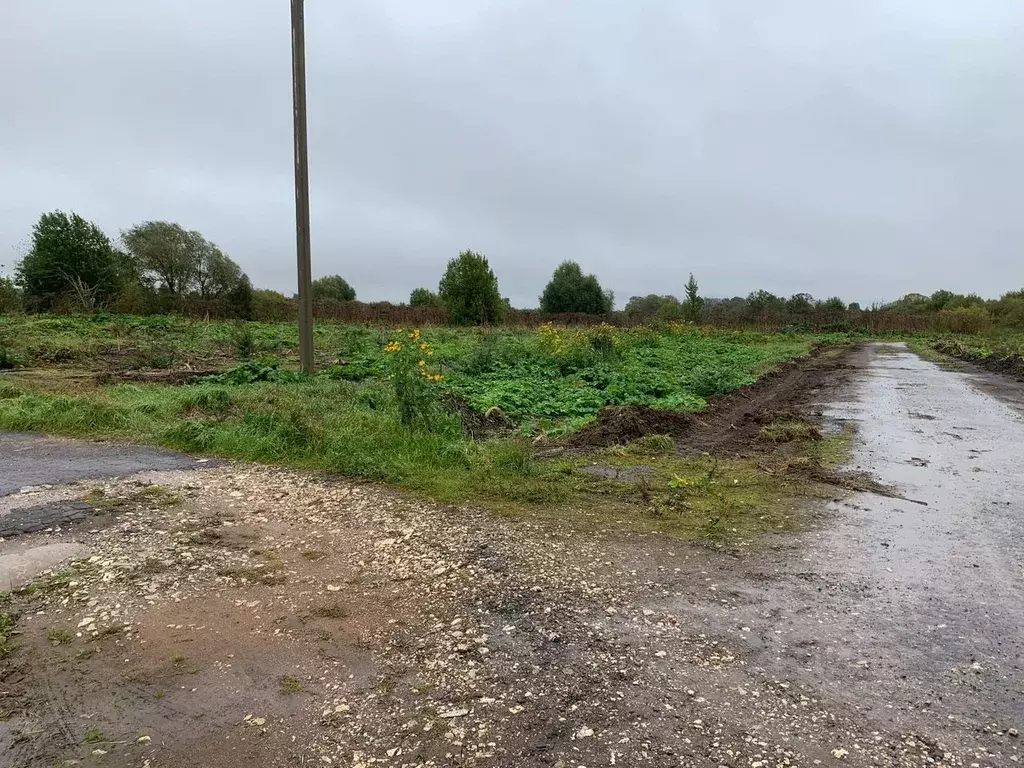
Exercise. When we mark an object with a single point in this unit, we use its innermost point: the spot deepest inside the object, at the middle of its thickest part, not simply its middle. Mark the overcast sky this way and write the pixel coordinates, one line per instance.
(860, 147)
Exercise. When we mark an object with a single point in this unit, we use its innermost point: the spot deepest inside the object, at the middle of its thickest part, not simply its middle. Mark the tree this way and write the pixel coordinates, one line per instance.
(69, 255)
(571, 291)
(693, 302)
(333, 288)
(661, 308)
(10, 296)
(166, 253)
(424, 297)
(182, 262)
(216, 275)
(469, 291)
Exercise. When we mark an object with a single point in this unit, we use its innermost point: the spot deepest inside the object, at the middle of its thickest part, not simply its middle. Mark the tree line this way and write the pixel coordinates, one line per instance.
(161, 267)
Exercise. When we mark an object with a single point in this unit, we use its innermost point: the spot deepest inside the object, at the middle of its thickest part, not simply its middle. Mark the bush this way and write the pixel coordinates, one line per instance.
(244, 340)
(469, 291)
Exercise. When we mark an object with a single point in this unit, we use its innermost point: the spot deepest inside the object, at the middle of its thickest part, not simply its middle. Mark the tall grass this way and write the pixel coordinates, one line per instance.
(333, 425)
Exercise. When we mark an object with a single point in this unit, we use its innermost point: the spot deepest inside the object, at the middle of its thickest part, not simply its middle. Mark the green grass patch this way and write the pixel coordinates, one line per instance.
(59, 636)
(789, 430)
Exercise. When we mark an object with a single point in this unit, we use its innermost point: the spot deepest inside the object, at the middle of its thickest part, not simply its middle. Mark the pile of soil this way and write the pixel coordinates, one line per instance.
(617, 424)
(1012, 364)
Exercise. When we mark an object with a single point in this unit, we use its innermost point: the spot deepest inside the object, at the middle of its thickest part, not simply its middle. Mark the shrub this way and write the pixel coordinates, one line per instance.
(469, 291)
(244, 340)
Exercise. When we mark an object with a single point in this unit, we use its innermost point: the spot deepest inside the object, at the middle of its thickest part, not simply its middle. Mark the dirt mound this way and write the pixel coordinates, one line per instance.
(1007, 364)
(617, 424)
(731, 423)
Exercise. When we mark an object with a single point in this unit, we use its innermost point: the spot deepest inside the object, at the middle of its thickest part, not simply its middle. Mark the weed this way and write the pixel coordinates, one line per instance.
(314, 555)
(59, 636)
(788, 431)
(7, 631)
(651, 445)
(178, 658)
(290, 685)
(94, 736)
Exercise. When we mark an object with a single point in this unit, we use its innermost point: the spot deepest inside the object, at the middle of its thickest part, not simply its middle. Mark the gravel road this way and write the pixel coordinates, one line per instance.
(291, 619)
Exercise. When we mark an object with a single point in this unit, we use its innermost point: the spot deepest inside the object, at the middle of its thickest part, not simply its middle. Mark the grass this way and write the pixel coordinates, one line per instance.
(346, 419)
(59, 636)
(290, 685)
(789, 430)
(94, 736)
(7, 631)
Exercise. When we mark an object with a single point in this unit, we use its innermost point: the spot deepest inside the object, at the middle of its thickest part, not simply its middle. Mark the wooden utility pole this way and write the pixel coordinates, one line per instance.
(302, 187)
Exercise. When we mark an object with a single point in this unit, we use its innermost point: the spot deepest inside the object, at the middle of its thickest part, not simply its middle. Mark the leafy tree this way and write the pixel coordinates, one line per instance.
(761, 303)
(571, 291)
(70, 255)
(693, 302)
(424, 297)
(166, 253)
(272, 305)
(10, 296)
(216, 274)
(800, 304)
(182, 262)
(333, 288)
(854, 306)
(240, 298)
(469, 291)
(660, 308)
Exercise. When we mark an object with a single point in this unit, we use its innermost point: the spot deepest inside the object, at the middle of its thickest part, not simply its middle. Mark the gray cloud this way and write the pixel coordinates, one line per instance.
(866, 149)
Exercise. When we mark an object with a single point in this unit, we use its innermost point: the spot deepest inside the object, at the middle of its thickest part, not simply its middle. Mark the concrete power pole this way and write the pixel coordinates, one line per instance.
(302, 187)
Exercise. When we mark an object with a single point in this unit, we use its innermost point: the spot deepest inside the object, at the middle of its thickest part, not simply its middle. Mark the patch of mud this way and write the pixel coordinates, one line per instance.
(619, 474)
(619, 424)
(731, 424)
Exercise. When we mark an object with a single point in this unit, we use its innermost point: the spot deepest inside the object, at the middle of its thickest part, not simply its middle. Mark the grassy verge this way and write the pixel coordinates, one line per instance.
(348, 420)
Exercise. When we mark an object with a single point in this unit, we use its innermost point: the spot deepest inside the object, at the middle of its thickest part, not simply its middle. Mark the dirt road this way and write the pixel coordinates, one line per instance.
(241, 615)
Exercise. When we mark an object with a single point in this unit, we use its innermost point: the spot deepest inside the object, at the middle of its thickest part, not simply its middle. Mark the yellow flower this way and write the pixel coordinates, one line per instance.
(415, 335)
(424, 346)
(422, 363)
(394, 346)
(430, 351)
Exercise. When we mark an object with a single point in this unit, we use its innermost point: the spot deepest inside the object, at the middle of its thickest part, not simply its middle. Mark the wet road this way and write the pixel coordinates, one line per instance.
(29, 460)
(947, 574)
(911, 611)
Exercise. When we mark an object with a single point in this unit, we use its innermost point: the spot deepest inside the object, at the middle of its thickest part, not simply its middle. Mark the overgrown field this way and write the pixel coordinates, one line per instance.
(525, 387)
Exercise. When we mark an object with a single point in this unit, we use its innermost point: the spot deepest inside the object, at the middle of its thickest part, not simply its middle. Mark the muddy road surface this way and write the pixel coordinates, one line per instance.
(248, 616)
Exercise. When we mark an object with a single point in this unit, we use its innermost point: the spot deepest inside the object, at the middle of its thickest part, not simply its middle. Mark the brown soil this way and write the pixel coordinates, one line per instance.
(1010, 365)
(732, 422)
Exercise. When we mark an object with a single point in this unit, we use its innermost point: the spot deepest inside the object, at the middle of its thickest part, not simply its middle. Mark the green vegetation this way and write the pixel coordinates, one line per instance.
(571, 291)
(7, 631)
(451, 414)
(94, 736)
(424, 297)
(70, 258)
(290, 685)
(59, 636)
(469, 291)
(332, 288)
